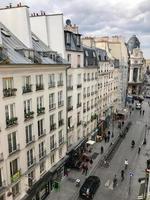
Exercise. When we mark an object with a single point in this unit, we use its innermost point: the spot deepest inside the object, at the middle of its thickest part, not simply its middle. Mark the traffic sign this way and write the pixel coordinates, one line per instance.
(131, 174)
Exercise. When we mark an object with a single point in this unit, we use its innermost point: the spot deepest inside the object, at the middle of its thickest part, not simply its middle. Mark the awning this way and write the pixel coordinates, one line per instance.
(91, 142)
(94, 132)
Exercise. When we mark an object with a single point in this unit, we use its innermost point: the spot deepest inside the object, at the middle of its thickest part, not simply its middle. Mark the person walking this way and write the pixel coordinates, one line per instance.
(115, 181)
(139, 149)
(122, 175)
(102, 149)
(140, 112)
(126, 163)
(143, 112)
(86, 170)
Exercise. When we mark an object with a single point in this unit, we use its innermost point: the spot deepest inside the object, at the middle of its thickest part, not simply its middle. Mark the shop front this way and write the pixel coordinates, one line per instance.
(41, 189)
(75, 154)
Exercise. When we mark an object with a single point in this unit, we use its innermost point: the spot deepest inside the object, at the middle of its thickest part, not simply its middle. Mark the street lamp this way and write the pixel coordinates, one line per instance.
(145, 134)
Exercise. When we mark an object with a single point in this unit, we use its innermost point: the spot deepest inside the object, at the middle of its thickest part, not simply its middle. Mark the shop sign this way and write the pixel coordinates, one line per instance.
(16, 176)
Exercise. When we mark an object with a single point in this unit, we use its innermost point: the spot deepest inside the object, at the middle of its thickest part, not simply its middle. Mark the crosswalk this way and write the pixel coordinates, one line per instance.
(109, 184)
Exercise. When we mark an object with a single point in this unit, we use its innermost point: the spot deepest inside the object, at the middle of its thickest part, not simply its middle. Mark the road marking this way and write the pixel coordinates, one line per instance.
(111, 186)
(107, 183)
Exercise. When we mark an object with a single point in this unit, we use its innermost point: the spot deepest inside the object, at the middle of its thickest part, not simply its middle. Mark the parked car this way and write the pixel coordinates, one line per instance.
(89, 187)
(138, 106)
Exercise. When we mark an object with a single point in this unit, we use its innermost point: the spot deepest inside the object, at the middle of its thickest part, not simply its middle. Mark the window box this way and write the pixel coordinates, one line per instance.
(8, 92)
(11, 122)
(41, 111)
(16, 176)
(29, 115)
(60, 83)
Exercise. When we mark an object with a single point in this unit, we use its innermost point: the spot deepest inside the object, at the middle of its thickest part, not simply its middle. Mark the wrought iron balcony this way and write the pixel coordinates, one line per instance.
(39, 87)
(53, 146)
(61, 140)
(61, 122)
(60, 83)
(60, 103)
(41, 111)
(53, 127)
(11, 122)
(52, 106)
(28, 115)
(70, 87)
(51, 85)
(79, 86)
(69, 108)
(8, 92)
(27, 88)
(14, 149)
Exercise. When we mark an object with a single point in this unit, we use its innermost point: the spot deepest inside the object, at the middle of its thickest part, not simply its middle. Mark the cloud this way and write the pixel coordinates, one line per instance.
(97, 17)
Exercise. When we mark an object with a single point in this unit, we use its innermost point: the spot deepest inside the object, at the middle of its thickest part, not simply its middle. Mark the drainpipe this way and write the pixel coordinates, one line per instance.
(66, 75)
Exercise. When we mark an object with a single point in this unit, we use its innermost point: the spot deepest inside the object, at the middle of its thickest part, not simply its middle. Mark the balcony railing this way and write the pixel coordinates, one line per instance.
(69, 108)
(39, 87)
(69, 87)
(31, 163)
(51, 85)
(60, 83)
(79, 105)
(52, 106)
(53, 146)
(8, 92)
(30, 140)
(53, 127)
(28, 115)
(27, 88)
(61, 122)
(42, 133)
(1, 157)
(11, 122)
(41, 111)
(60, 103)
(42, 154)
(79, 123)
(13, 149)
(79, 86)
(61, 140)
(15, 177)
(70, 129)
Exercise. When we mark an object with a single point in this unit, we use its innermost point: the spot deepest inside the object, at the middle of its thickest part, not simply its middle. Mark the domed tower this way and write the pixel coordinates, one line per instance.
(133, 43)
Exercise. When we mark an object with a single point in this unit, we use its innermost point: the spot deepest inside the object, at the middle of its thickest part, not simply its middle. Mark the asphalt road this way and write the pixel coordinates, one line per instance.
(129, 188)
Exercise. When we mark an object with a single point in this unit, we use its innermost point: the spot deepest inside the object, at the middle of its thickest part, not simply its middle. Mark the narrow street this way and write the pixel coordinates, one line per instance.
(127, 189)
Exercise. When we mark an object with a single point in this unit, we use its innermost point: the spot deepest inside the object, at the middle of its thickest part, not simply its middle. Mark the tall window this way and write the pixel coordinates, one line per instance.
(60, 97)
(51, 101)
(27, 106)
(27, 80)
(13, 167)
(51, 80)
(60, 115)
(31, 178)
(52, 121)
(39, 80)
(69, 81)
(78, 60)
(40, 102)
(41, 150)
(42, 167)
(79, 98)
(30, 157)
(60, 77)
(78, 118)
(79, 79)
(69, 58)
(29, 136)
(52, 142)
(68, 38)
(8, 83)
(15, 190)
(12, 143)
(69, 101)
(40, 127)
(10, 111)
(70, 122)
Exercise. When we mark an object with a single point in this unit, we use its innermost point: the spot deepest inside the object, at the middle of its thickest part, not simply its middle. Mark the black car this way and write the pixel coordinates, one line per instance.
(89, 187)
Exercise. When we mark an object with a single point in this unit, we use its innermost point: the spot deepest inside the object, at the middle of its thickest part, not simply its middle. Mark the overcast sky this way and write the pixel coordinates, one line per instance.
(101, 17)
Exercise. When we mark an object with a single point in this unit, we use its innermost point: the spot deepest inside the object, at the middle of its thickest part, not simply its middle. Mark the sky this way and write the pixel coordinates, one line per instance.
(100, 17)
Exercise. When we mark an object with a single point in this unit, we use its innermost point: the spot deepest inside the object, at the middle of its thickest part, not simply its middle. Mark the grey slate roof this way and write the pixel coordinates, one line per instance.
(16, 50)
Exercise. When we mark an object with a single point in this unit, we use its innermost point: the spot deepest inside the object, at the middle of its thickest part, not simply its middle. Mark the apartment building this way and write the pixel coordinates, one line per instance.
(33, 104)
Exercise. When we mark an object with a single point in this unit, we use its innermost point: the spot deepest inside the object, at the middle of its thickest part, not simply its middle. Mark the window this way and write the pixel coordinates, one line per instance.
(88, 77)
(70, 101)
(84, 76)
(31, 178)
(15, 190)
(51, 80)
(70, 122)
(60, 77)
(78, 40)
(69, 81)
(13, 167)
(41, 150)
(60, 135)
(86, 53)
(30, 157)
(60, 152)
(60, 115)
(27, 106)
(52, 159)
(78, 60)
(78, 118)
(10, 111)
(39, 80)
(27, 87)
(88, 90)
(8, 83)
(51, 121)
(29, 136)
(40, 127)
(51, 101)
(12, 143)
(40, 102)
(68, 38)
(27, 80)
(69, 58)
(92, 76)
(79, 79)
(52, 142)
(0, 178)
(42, 167)
(78, 98)
(60, 97)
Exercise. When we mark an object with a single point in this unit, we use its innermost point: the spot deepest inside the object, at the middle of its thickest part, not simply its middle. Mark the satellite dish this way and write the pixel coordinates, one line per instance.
(68, 22)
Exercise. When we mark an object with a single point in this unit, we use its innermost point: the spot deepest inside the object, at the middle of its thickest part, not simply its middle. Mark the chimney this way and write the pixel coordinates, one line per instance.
(17, 20)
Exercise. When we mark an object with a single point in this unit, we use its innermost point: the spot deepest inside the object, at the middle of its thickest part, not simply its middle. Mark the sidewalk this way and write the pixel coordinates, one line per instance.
(68, 190)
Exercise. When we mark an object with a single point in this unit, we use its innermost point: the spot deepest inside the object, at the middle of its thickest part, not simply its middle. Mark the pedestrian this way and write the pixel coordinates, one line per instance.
(130, 112)
(86, 170)
(139, 149)
(122, 175)
(126, 163)
(115, 181)
(91, 161)
(102, 149)
(140, 112)
(108, 138)
(105, 138)
(143, 112)
(83, 168)
(109, 133)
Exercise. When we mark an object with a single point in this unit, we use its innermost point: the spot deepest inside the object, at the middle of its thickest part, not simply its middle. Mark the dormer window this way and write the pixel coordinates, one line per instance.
(86, 53)
(78, 41)
(94, 55)
(68, 38)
